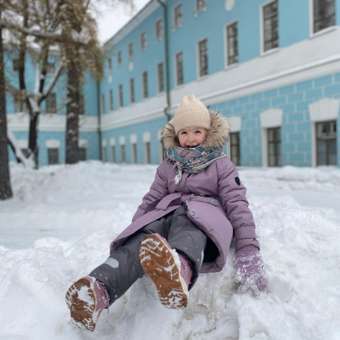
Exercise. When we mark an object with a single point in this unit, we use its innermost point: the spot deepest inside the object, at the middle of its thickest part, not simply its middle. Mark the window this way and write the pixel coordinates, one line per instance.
(147, 152)
(102, 103)
(53, 156)
(122, 153)
(232, 44)
(324, 14)
(113, 153)
(145, 85)
(111, 100)
(51, 103)
(159, 29)
(109, 65)
(104, 153)
(326, 148)
(132, 90)
(235, 154)
(143, 42)
(203, 57)
(119, 57)
(130, 51)
(161, 151)
(120, 95)
(178, 16)
(19, 103)
(200, 5)
(179, 68)
(50, 67)
(160, 71)
(274, 146)
(15, 64)
(270, 26)
(82, 153)
(134, 153)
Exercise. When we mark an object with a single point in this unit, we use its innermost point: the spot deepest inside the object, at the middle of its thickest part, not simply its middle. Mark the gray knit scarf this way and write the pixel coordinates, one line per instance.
(192, 160)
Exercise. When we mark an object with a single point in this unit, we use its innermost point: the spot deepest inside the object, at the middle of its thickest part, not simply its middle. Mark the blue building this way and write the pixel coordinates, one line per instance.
(271, 67)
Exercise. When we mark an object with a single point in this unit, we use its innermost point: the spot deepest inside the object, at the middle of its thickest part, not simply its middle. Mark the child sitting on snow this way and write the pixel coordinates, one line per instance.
(184, 226)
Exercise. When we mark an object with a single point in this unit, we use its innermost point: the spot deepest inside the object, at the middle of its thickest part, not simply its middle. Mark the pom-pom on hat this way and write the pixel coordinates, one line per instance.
(191, 112)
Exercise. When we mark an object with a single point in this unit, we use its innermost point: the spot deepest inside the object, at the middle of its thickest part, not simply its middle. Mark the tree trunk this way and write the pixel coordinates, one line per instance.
(5, 183)
(33, 137)
(72, 107)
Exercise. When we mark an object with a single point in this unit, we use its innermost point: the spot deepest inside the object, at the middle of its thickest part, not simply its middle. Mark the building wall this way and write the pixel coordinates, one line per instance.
(281, 85)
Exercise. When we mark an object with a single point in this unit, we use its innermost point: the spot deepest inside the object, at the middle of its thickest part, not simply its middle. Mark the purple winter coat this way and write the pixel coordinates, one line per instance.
(215, 200)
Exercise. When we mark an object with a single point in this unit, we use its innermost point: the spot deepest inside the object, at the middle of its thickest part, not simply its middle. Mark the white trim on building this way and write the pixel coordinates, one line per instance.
(133, 138)
(82, 143)
(146, 137)
(121, 140)
(52, 143)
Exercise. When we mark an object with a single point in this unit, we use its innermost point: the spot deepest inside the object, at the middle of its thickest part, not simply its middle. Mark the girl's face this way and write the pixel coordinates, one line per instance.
(191, 137)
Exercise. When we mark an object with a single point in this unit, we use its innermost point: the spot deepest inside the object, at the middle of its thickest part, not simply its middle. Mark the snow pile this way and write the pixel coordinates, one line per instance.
(62, 219)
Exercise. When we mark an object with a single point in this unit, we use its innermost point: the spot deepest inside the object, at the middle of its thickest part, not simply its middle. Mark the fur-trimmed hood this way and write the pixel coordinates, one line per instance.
(216, 137)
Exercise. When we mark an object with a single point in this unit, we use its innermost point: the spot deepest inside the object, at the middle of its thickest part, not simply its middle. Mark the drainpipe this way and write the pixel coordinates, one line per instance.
(166, 59)
(99, 122)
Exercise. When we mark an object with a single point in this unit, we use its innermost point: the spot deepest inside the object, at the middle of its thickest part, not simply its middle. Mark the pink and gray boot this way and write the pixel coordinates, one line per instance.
(86, 299)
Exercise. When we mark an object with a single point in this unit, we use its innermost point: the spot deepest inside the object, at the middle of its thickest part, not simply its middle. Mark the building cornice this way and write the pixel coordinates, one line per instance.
(50, 122)
(136, 20)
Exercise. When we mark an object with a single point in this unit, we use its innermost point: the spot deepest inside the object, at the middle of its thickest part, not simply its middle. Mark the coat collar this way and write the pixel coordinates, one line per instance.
(216, 137)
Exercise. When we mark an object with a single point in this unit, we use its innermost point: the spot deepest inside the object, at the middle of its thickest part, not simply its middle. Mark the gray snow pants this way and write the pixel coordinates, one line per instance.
(123, 268)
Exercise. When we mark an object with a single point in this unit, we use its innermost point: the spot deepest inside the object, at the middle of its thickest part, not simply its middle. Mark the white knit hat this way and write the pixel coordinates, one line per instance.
(191, 112)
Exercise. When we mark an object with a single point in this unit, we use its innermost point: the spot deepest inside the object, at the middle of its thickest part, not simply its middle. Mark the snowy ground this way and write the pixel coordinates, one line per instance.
(62, 219)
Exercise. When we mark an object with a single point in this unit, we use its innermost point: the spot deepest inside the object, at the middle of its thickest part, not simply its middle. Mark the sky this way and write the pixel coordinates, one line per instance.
(111, 18)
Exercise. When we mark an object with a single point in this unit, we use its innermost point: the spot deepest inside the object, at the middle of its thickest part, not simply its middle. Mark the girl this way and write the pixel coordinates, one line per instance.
(184, 225)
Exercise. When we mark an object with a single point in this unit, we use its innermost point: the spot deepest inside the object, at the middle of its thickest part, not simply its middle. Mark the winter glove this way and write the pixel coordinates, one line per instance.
(250, 276)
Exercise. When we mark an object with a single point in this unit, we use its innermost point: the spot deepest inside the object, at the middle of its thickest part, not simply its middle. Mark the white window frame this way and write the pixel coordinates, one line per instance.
(161, 36)
(130, 51)
(198, 58)
(147, 85)
(113, 144)
(199, 10)
(147, 139)
(311, 22)
(176, 26)
(104, 151)
(177, 84)
(143, 40)
(226, 65)
(109, 63)
(133, 141)
(271, 118)
(122, 143)
(325, 109)
(263, 52)
(235, 126)
(119, 57)
(158, 83)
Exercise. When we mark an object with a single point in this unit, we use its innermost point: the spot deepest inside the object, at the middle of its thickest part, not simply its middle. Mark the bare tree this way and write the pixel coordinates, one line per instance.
(5, 183)
(68, 25)
(34, 33)
(80, 51)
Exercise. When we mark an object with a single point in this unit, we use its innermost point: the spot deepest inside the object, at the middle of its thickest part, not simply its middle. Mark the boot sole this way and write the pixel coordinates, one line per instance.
(80, 299)
(158, 262)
